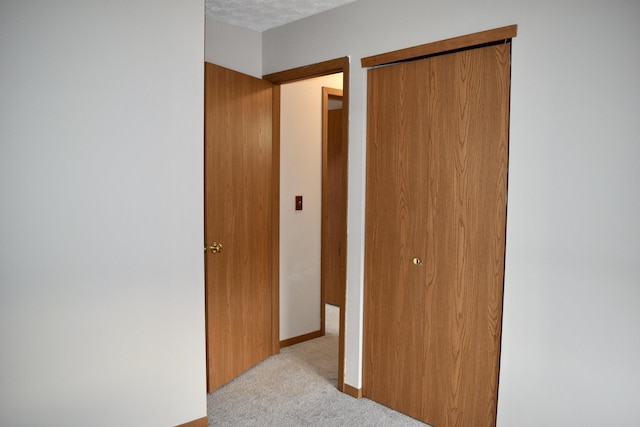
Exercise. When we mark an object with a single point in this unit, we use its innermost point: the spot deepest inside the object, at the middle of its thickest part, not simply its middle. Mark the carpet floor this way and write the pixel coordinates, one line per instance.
(298, 388)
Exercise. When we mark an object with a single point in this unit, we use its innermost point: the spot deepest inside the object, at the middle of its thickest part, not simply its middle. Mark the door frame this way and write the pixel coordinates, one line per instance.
(338, 65)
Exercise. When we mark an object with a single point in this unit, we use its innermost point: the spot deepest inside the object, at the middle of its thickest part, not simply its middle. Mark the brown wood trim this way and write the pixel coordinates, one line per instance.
(352, 391)
(322, 310)
(200, 422)
(300, 338)
(308, 71)
(205, 234)
(275, 222)
(343, 297)
(461, 42)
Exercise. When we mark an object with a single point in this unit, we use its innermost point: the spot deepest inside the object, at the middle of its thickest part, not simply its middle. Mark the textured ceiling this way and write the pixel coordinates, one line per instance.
(260, 15)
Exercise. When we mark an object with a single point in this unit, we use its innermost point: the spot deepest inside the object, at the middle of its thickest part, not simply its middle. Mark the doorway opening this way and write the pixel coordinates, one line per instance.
(311, 194)
(290, 263)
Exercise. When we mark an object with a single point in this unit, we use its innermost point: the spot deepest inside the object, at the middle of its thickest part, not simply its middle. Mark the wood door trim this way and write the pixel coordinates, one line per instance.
(455, 43)
(275, 221)
(309, 71)
(301, 338)
(352, 391)
(338, 65)
(200, 422)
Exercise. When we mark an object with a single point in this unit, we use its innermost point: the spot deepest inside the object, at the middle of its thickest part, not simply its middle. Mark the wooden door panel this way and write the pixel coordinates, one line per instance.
(334, 208)
(238, 173)
(394, 238)
(469, 222)
(436, 191)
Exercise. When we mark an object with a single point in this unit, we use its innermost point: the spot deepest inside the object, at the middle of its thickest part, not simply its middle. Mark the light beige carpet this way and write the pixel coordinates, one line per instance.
(298, 388)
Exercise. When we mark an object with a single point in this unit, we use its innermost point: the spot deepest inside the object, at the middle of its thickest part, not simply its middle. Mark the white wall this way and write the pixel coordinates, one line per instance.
(300, 231)
(572, 287)
(101, 183)
(233, 47)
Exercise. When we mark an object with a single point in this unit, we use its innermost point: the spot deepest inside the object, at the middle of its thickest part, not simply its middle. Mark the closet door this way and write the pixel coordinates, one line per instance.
(437, 151)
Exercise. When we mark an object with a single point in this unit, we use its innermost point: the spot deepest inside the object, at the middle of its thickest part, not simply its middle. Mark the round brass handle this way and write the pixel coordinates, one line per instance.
(417, 261)
(216, 248)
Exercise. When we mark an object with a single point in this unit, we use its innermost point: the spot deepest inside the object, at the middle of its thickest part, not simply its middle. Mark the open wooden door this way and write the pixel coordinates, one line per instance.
(437, 151)
(238, 223)
(334, 200)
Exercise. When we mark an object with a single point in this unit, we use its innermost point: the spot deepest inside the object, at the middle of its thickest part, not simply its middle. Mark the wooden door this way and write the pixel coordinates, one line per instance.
(238, 214)
(437, 151)
(334, 202)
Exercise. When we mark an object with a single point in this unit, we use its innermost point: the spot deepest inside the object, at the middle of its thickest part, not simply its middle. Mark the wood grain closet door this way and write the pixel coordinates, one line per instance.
(437, 142)
(238, 174)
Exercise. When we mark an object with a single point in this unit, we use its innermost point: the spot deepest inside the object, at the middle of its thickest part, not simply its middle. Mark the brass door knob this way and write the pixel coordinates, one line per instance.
(216, 248)
(417, 261)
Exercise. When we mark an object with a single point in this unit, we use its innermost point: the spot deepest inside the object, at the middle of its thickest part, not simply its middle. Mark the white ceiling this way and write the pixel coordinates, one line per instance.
(260, 15)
